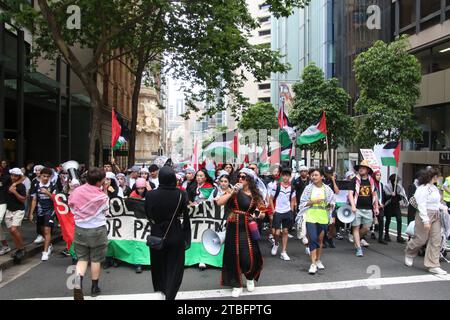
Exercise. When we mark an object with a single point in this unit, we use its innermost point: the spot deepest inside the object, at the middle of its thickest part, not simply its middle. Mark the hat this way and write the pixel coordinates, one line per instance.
(134, 169)
(189, 169)
(16, 171)
(140, 183)
(37, 168)
(349, 174)
(110, 175)
(364, 163)
(144, 169)
(328, 170)
(120, 175)
(303, 168)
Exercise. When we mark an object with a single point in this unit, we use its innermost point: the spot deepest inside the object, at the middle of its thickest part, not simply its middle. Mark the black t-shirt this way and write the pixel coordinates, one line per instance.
(12, 203)
(44, 202)
(4, 182)
(365, 194)
(299, 186)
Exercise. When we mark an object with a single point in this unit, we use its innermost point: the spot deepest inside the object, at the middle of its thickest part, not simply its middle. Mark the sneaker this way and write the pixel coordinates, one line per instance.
(331, 244)
(271, 239)
(95, 291)
(50, 249)
(284, 256)
(138, 269)
(305, 241)
(312, 269)
(250, 285)
(39, 239)
(307, 251)
(320, 265)
(339, 236)
(274, 250)
(401, 240)
(350, 238)
(409, 261)
(236, 292)
(387, 238)
(65, 253)
(364, 243)
(202, 266)
(359, 252)
(438, 271)
(372, 236)
(290, 236)
(4, 250)
(45, 255)
(18, 256)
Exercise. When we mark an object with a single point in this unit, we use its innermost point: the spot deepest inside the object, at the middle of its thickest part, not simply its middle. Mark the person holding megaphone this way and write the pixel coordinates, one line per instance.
(241, 250)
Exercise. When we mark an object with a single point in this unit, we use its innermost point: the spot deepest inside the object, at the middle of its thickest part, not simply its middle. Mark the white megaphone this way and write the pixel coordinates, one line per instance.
(212, 241)
(71, 167)
(345, 214)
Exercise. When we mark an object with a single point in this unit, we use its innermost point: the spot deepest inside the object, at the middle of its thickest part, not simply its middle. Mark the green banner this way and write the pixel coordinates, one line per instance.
(128, 230)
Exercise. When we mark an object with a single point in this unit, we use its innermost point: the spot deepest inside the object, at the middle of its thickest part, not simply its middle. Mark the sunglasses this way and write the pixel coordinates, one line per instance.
(243, 177)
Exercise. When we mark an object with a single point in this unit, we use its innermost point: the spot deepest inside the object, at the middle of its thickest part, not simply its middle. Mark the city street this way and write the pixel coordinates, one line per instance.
(380, 274)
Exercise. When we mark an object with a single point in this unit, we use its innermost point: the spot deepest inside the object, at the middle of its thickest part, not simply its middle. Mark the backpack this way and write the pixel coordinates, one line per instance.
(277, 193)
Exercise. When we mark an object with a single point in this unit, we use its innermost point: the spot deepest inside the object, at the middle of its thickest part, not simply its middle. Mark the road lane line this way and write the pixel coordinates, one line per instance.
(272, 290)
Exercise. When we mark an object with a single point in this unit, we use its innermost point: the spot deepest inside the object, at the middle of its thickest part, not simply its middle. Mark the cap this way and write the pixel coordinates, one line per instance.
(16, 171)
(37, 168)
(303, 168)
(110, 175)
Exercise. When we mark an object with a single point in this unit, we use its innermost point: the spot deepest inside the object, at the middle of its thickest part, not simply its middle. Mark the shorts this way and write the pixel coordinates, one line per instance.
(46, 220)
(14, 218)
(363, 217)
(314, 230)
(91, 244)
(284, 220)
(2, 215)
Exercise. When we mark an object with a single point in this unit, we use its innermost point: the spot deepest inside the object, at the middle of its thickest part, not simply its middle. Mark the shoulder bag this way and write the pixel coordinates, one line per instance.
(157, 243)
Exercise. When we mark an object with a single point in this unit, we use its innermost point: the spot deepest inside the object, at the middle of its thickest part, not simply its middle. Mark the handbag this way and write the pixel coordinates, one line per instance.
(157, 243)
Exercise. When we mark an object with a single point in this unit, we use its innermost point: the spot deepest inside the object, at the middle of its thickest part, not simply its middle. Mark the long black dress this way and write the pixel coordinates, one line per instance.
(167, 265)
(241, 253)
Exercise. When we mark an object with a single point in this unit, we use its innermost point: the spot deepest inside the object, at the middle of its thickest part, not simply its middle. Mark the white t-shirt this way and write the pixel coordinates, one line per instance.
(155, 182)
(283, 201)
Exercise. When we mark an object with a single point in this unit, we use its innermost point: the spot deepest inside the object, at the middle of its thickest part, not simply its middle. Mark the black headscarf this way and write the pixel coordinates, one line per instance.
(167, 178)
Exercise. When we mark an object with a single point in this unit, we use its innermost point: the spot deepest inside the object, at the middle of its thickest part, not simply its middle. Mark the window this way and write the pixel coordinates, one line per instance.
(429, 6)
(264, 86)
(264, 6)
(407, 13)
(424, 58)
(264, 32)
(267, 99)
(441, 57)
(264, 19)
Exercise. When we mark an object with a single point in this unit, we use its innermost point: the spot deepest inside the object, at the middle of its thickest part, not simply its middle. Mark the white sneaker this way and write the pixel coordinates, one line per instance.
(236, 292)
(271, 239)
(409, 261)
(284, 256)
(250, 285)
(350, 238)
(50, 249)
(274, 250)
(39, 239)
(364, 243)
(438, 271)
(305, 241)
(312, 269)
(320, 265)
(290, 236)
(202, 265)
(4, 250)
(307, 251)
(44, 256)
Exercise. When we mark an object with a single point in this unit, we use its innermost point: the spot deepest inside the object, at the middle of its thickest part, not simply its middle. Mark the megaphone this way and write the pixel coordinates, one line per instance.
(71, 167)
(212, 241)
(410, 229)
(345, 214)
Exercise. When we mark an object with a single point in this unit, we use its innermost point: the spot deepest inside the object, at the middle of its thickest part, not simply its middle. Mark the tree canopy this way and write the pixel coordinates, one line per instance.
(315, 94)
(388, 78)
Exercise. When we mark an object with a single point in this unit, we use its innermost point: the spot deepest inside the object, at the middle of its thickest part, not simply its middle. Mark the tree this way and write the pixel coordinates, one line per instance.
(206, 42)
(217, 131)
(315, 94)
(388, 78)
(261, 115)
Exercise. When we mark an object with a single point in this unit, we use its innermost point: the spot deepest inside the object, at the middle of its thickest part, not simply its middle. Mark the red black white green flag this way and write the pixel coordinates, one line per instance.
(390, 154)
(119, 131)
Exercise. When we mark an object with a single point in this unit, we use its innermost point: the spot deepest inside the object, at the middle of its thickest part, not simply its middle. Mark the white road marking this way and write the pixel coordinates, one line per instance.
(12, 274)
(269, 290)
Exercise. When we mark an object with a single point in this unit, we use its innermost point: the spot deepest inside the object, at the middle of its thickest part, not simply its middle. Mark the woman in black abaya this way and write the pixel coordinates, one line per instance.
(167, 265)
(241, 252)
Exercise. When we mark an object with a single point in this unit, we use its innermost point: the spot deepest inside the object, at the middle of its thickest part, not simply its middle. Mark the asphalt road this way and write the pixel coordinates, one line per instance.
(380, 274)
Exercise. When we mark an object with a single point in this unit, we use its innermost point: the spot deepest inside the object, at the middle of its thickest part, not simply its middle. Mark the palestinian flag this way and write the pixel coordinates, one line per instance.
(286, 145)
(225, 146)
(390, 154)
(206, 190)
(119, 131)
(314, 133)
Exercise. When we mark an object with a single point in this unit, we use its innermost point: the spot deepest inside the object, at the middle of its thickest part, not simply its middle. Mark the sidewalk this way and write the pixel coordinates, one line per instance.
(28, 230)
